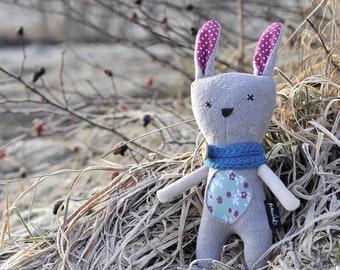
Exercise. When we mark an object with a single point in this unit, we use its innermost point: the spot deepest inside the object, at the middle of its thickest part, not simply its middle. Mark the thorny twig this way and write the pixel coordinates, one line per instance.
(20, 34)
(323, 43)
(81, 117)
(61, 77)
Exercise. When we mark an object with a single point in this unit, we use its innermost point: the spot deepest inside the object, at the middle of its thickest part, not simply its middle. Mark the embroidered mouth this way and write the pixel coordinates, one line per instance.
(227, 112)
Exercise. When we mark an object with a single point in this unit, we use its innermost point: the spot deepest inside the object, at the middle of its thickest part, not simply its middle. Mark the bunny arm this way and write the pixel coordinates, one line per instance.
(194, 178)
(287, 199)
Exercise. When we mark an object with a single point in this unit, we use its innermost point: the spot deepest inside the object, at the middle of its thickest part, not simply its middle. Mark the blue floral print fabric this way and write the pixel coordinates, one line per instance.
(228, 195)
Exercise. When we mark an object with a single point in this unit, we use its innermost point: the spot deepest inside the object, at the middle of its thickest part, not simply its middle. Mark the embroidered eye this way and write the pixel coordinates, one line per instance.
(250, 97)
(208, 104)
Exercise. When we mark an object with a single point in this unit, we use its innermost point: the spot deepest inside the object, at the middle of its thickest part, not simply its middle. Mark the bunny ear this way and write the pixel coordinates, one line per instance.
(266, 50)
(205, 49)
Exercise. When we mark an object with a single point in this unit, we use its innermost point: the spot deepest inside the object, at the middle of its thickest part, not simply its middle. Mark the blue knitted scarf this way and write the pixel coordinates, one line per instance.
(235, 156)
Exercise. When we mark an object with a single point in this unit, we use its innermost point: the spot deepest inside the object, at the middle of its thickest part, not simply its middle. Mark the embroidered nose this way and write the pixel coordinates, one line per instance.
(227, 111)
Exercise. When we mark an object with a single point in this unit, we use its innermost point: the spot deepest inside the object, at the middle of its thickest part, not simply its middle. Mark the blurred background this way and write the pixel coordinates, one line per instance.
(96, 21)
(124, 68)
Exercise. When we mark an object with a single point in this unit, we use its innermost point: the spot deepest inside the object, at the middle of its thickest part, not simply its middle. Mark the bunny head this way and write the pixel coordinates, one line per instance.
(234, 107)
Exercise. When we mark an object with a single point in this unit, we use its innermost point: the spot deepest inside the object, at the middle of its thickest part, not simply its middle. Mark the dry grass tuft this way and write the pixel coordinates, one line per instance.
(123, 225)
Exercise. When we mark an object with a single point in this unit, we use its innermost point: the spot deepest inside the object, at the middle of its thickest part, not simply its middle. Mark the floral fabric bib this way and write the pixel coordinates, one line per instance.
(228, 195)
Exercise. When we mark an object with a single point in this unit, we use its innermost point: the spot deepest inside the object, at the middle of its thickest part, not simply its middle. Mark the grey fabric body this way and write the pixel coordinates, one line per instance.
(233, 108)
(252, 227)
(248, 122)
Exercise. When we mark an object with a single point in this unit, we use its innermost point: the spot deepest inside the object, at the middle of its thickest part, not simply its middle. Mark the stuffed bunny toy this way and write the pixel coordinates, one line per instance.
(233, 111)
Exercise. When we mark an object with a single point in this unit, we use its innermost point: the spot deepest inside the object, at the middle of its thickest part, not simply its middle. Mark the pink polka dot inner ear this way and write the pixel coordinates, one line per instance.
(265, 46)
(207, 38)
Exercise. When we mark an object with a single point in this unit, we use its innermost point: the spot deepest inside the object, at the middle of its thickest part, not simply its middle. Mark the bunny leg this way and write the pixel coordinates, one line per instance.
(257, 239)
(212, 236)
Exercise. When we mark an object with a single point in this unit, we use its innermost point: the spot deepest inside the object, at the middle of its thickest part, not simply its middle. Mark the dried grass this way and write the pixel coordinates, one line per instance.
(123, 226)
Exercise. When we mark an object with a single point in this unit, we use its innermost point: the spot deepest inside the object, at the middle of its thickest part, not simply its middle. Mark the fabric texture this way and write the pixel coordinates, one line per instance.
(228, 195)
(207, 39)
(231, 110)
(206, 46)
(266, 50)
(236, 156)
